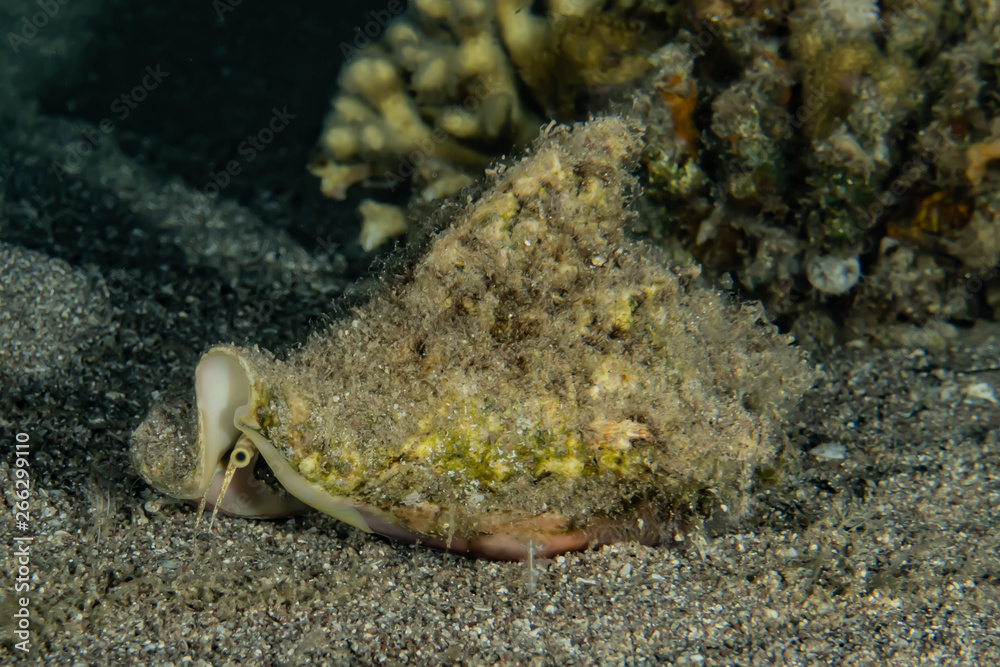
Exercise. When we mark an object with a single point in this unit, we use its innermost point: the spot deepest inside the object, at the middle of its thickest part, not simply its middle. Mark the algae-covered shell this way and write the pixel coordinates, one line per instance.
(537, 382)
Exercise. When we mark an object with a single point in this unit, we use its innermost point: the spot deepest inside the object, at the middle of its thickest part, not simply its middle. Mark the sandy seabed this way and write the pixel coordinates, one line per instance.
(873, 541)
(887, 555)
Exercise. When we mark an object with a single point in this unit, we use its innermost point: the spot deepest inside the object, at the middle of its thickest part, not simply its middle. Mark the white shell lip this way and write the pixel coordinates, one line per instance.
(227, 393)
(222, 386)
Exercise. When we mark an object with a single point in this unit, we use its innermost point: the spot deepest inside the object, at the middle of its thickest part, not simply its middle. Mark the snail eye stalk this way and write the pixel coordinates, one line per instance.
(243, 455)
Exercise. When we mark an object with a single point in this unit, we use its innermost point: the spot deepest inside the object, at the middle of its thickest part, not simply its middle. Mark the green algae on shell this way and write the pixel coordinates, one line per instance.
(538, 381)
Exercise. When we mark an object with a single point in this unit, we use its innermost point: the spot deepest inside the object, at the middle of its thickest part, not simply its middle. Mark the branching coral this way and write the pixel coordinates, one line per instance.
(455, 84)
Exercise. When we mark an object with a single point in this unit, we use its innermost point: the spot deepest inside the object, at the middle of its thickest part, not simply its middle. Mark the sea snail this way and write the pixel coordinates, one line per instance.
(537, 383)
